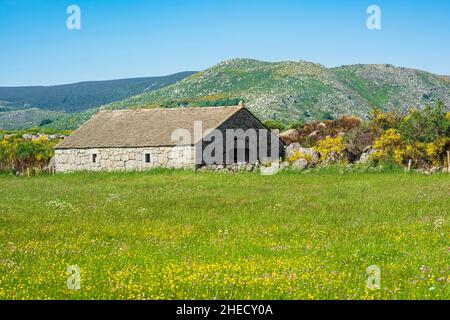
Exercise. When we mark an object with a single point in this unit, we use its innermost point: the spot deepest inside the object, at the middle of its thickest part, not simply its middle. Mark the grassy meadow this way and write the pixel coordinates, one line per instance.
(182, 235)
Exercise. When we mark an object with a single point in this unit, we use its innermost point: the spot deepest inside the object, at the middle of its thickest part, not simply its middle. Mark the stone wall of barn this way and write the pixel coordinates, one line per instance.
(123, 159)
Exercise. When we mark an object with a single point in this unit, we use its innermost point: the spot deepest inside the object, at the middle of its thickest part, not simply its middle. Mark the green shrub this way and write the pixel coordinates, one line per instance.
(45, 122)
(297, 124)
(360, 137)
(327, 116)
(425, 125)
(275, 124)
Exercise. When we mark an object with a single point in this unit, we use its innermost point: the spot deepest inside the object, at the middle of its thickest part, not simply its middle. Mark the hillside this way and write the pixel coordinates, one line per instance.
(26, 118)
(287, 91)
(68, 106)
(293, 90)
(80, 96)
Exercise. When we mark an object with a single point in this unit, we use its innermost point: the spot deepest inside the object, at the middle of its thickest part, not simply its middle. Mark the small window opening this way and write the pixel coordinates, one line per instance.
(94, 158)
(147, 158)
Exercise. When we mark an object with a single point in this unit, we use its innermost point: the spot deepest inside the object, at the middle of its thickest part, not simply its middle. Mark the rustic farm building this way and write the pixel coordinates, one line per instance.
(144, 139)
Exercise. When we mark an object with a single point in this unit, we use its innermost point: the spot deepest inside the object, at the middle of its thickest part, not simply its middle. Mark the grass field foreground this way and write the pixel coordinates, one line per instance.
(183, 235)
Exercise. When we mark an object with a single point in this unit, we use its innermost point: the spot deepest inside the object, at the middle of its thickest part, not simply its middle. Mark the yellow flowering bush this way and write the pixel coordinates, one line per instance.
(391, 147)
(388, 147)
(389, 139)
(415, 151)
(329, 147)
(437, 151)
(20, 154)
(299, 155)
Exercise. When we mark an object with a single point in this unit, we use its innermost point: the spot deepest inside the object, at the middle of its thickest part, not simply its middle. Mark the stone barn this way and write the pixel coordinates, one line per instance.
(170, 137)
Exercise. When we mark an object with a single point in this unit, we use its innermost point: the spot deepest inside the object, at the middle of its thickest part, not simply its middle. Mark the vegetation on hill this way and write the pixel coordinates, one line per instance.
(294, 91)
(34, 131)
(71, 121)
(83, 95)
(68, 106)
(285, 91)
(27, 118)
(288, 236)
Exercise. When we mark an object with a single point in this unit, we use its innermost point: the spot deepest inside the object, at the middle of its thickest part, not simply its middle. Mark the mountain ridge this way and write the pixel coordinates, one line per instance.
(79, 96)
(285, 90)
(289, 90)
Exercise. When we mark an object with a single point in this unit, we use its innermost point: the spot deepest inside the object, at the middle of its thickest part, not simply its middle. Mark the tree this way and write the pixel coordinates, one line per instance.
(297, 124)
(45, 122)
(275, 124)
(327, 116)
(425, 125)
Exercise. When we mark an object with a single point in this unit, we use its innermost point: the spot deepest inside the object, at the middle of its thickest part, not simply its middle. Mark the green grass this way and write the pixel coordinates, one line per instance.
(376, 95)
(181, 235)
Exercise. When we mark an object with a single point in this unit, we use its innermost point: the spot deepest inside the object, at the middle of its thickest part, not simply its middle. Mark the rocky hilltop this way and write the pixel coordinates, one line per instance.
(301, 90)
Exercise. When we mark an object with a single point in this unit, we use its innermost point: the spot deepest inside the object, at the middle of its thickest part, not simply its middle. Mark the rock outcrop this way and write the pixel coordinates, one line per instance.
(365, 157)
(290, 136)
(300, 164)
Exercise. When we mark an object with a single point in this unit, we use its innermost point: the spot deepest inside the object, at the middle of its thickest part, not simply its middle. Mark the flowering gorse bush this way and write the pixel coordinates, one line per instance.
(387, 144)
(299, 155)
(437, 150)
(332, 150)
(416, 152)
(18, 154)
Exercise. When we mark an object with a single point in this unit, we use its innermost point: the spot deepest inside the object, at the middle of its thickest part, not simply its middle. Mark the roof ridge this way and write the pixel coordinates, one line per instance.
(176, 108)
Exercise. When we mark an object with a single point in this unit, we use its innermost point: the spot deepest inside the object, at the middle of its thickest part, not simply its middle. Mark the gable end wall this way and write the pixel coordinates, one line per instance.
(244, 120)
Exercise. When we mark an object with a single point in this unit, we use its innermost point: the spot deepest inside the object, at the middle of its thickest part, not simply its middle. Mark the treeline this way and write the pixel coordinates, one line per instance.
(33, 131)
(209, 101)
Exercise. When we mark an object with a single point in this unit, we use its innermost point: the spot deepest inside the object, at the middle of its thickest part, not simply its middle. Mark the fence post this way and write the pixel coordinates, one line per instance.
(448, 161)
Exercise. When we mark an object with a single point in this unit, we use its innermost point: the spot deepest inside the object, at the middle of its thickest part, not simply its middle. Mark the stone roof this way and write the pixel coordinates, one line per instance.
(143, 127)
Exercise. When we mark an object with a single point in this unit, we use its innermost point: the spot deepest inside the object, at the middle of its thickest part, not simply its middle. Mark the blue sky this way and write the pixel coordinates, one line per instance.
(133, 38)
